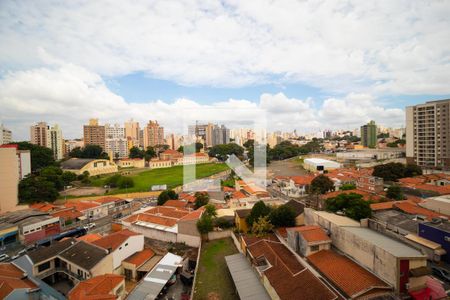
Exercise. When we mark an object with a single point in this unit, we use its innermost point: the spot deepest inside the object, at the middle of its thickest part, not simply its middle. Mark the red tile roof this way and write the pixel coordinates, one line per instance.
(366, 195)
(45, 207)
(140, 257)
(11, 278)
(81, 205)
(302, 180)
(414, 209)
(176, 203)
(159, 220)
(99, 287)
(184, 196)
(114, 240)
(238, 195)
(228, 189)
(90, 237)
(67, 214)
(108, 199)
(195, 215)
(165, 211)
(346, 275)
(289, 278)
(441, 190)
(312, 233)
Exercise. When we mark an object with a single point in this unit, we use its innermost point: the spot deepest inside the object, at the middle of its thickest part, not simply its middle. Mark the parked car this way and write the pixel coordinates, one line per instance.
(22, 252)
(89, 226)
(4, 257)
(441, 273)
(15, 257)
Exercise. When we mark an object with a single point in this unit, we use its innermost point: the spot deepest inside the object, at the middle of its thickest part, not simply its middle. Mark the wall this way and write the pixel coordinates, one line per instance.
(134, 244)
(438, 236)
(190, 240)
(9, 179)
(104, 266)
(154, 233)
(215, 235)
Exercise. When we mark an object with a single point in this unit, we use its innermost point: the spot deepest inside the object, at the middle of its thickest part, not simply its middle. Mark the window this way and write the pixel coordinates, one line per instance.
(126, 244)
(314, 248)
(44, 266)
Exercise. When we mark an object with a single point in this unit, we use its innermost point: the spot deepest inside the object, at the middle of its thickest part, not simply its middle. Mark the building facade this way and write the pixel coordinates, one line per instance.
(94, 134)
(428, 134)
(5, 135)
(55, 141)
(132, 133)
(220, 135)
(116, 144)
(369, 135)
(153, 134)
(38, 134)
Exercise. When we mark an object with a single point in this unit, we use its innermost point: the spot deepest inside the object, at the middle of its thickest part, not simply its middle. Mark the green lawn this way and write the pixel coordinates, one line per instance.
(171, 176)
(213, 276)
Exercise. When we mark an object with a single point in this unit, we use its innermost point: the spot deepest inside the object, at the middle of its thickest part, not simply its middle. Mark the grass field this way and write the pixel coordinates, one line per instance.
(213, 278)
(171, 176)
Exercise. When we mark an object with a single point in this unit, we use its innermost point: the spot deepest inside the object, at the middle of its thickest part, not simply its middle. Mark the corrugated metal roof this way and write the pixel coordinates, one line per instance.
(246, 281)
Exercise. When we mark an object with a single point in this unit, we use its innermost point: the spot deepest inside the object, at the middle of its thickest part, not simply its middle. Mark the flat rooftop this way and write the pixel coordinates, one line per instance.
(398, 219)
(389, 245)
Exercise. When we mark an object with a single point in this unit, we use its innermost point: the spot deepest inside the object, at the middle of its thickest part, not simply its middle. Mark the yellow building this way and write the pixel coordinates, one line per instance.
(93, 166)
(239, 219)
(131, 163)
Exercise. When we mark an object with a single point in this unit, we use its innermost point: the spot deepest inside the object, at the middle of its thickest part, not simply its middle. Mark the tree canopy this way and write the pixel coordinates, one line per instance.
(351, 204)
(262, 226)
(89, 151)
(201, 199)
(394, 192)
(395, 171)
(166, 195)
(222, 151)
(41, 157)
(136, 152)
(322, 184)
(260, 209)
(282, 216)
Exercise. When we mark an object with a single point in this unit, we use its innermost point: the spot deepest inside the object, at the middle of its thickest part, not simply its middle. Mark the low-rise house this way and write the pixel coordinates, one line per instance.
(71, 260)
(107, 286)
(351, 279)
(15, 284)
(121, 244)
(115, 206)
(177, 203)
(132, 265)
(307, 240)
(91, 210)
(168, 224)
(294, 186)
(28, 226)
(370, 184)
(91, 165)
(282, 274)
(240, 221)
(131, 163)
(299, 209)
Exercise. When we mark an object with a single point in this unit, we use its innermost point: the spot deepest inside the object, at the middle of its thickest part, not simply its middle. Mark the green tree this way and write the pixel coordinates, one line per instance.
(282, 216)
(347, 187)
(89, 151)
(201, 199)
(34, 188)
(394, 192)
(205, 224)
(262, 226)
(172, 194)
(166, 195)
(67, 177)
(53, 174)
(210, 209)
(260, 209)
(149, 153)
(223, 151)
(135, 152)
(412, 170)
(390, 171)
(353, 205)
(41, 157)
(249, 144)
(76, 152)
(322, 184)
(125, 182)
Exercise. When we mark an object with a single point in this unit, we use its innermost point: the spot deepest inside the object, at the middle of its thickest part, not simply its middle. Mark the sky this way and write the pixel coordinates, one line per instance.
(304, 65)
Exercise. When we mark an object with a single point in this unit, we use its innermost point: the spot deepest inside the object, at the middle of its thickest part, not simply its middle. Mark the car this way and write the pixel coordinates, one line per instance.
(441, 273)
(4, 257)
(22, 252)
(15, 257)
(89, 226)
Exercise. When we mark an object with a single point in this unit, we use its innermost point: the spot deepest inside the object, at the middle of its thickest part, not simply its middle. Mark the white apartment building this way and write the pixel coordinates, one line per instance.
(5, 135)
(55, 141)
(116, 144)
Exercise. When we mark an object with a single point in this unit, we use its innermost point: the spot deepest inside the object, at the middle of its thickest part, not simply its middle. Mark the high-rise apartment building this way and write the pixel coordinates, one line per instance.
(132, 133)
(428, 134)
(38, 134)
(369, 135)
(55, 141)
(116, 144)
(5, 135)
(203, 133)
(220, 135)
(94, 134)
(153, 134)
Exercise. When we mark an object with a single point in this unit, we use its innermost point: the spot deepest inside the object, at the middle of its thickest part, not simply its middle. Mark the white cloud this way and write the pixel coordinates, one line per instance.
(69, 95)
(365, 46)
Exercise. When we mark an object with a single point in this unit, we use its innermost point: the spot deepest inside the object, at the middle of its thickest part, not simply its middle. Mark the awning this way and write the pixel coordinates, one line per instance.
(6, 235)
(440, 251)
(421, 271)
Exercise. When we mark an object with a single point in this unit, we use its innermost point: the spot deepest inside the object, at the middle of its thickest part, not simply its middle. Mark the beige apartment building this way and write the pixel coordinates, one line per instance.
(428, 134)
(132, 133)
(5, 135)
(153, 134)
(94, 134)
(38, 134)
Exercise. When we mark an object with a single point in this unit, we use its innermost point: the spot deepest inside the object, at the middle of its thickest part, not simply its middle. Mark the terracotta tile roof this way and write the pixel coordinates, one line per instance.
(159, 220)
(45, 207)
(140, 257)
(81, 205)
(176, 203)
(383, 205)
(441, 190)
(99, 287)
(238, 195)
(289, 278)
(90, 237)
(11, 278)
(302, 180)
(312, 233)
(345, 274)
(228, 189)
(195, 215)
(366, 195)
(165, 211)
(184, 196)
(68, 214)
(282, 232)
(109, 199)
(412, 180)
(414, 209)
(114, 240)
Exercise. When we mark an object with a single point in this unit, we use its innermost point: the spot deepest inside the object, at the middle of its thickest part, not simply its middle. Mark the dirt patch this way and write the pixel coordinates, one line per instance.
(83, 191)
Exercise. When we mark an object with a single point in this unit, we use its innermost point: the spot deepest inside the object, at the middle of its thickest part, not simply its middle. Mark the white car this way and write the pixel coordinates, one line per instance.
(90, 226)
(4, 257)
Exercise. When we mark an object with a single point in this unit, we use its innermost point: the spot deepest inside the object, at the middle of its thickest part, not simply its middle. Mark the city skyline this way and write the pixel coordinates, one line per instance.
(182, 56)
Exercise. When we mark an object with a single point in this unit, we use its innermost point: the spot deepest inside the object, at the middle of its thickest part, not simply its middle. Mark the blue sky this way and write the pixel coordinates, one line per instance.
(308, 65)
